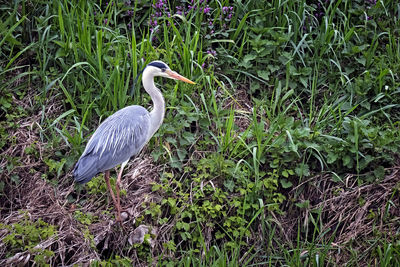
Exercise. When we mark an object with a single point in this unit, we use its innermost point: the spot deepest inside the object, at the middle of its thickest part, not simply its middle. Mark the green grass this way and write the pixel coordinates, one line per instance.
(296, 106)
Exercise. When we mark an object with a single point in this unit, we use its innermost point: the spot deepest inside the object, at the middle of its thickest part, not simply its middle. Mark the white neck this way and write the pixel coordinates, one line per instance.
(157, 114)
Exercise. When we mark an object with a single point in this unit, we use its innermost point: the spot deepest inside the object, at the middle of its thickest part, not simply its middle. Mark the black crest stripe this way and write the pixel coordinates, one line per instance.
(158, 65)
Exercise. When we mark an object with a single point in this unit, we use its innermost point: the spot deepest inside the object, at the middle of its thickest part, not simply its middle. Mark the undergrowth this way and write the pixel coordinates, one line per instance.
(294, 111)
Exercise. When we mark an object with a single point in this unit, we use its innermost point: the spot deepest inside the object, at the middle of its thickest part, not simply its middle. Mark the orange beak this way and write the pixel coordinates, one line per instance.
(176, 76)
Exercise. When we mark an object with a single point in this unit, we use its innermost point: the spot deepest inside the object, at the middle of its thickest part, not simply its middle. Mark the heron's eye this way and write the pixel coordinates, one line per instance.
(163, 69)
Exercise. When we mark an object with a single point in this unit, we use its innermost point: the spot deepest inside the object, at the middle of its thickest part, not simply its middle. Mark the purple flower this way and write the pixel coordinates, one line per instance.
(207, 10)
(153, 23)
(105, 21)
(212, 52)
(159, 4)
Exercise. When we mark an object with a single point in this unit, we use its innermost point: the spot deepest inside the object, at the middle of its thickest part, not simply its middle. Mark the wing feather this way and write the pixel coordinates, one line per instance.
(119, 137)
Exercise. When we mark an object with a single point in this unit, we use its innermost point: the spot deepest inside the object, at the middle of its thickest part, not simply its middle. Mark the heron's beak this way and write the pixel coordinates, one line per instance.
(176, 76)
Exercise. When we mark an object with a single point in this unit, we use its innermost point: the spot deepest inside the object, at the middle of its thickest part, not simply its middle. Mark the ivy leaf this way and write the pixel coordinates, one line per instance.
(361, 60)
(286, 183)
(246, 63)
(347, 161)
(172, 202)
(15, 179)
(306, 71)
(229, 184)
(332, 157)
(303, 170)
(254, 86)
(171, 140)
(182, 154)
(379, 172)
(273, 68)
(263, 74)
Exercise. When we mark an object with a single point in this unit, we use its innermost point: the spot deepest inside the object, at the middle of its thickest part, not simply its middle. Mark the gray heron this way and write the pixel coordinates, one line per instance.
(124, 134)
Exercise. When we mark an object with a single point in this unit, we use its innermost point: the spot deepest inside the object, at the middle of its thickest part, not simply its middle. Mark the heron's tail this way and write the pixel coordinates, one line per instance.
(85, 169)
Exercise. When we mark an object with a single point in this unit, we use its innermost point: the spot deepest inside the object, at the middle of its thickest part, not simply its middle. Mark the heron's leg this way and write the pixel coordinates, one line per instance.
(117, 187)
(118, 183)
(107, 178)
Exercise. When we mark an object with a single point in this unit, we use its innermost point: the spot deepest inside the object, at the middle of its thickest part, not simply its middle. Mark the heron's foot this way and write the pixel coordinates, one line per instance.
(118, 218)
(121, 215)
(119, 223)
(122, 209)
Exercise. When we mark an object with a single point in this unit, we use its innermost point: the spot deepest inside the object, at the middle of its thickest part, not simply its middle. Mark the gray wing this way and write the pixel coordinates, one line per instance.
(119, 137)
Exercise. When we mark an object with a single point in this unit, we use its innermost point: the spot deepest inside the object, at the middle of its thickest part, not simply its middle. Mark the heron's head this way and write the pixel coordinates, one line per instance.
(159, 68)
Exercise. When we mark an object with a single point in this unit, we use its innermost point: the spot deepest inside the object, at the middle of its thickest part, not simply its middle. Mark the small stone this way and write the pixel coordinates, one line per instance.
(124, 216)
(137, 236)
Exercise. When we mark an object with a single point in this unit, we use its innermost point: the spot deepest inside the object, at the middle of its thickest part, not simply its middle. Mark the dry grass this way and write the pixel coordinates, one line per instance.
(350, 213)
(243, 106)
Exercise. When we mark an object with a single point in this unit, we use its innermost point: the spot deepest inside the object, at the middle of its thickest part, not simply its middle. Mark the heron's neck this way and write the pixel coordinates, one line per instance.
(157, 114)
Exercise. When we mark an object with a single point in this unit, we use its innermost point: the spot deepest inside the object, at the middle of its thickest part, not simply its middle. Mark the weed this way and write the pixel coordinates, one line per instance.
(85, 218)
(26, 235)
(114, 261)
